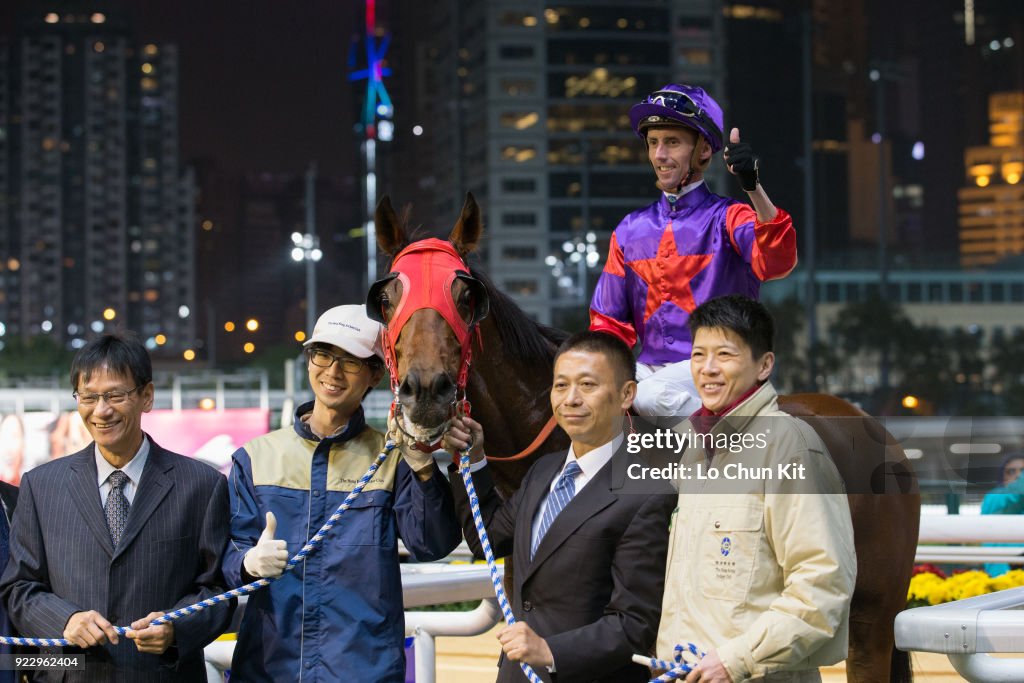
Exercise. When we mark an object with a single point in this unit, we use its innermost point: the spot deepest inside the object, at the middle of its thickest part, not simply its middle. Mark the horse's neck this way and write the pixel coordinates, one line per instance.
(509, 396)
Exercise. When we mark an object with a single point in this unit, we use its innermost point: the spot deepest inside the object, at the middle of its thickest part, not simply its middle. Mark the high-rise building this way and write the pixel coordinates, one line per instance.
(992, 202)
(96, 210)
(526, 105)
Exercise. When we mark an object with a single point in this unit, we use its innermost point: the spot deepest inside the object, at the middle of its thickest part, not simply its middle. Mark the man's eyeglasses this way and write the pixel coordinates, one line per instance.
(323, 359)
(113, 398)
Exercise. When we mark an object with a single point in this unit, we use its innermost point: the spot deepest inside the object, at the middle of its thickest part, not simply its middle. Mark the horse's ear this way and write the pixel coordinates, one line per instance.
(391, 237)
(469, 229)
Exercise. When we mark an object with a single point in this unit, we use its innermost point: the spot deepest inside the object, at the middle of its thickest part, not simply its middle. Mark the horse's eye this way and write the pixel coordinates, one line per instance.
(383, 300)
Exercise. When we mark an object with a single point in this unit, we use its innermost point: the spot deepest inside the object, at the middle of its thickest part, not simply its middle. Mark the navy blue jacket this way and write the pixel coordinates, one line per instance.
(339, 615)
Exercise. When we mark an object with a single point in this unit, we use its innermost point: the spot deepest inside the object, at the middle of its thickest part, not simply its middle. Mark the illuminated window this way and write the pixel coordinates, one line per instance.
(519, 252)
(521, 287)
(518, 86)
(518, 153)
(517, 19)
(694, 56)
(519, 120)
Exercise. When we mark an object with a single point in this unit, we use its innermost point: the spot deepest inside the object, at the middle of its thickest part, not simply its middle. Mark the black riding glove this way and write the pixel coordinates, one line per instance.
(743, 164)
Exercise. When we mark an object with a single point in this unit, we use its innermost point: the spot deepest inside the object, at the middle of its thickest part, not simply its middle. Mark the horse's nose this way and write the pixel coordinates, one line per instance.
(410, 386)
(440, 387)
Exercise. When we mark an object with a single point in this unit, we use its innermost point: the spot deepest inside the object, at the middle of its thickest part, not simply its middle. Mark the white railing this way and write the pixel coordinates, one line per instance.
(966, 630)
(948, 529)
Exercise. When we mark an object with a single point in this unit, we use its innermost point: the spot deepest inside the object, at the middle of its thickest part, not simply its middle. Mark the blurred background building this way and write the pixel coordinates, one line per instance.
(96, 208)
(891, 130)
(525, 104)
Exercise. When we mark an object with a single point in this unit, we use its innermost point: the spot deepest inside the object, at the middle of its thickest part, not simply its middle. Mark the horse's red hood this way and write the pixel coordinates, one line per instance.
(427, 270)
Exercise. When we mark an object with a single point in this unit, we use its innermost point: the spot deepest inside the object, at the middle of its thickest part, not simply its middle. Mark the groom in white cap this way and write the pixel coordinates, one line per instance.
(339, 614)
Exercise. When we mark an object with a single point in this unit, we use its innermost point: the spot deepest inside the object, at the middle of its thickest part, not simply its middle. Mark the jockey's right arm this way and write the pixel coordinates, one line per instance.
(609, 307)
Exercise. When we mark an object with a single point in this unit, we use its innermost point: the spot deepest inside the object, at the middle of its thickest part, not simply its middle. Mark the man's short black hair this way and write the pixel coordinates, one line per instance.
(119, 353)
(613, 348)
(747, 318)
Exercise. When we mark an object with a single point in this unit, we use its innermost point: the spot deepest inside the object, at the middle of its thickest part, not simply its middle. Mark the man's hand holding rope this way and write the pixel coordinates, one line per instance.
(152, 640)
(709, 670)
(465, 432)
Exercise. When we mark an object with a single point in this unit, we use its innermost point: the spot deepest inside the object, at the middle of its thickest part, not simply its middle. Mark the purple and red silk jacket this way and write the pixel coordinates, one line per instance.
(665, 260)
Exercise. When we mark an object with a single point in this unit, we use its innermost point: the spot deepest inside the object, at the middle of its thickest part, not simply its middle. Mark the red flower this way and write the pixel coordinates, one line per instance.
(928, 567)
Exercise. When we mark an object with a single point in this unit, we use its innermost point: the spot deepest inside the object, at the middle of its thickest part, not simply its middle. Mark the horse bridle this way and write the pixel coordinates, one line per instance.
(426, 269)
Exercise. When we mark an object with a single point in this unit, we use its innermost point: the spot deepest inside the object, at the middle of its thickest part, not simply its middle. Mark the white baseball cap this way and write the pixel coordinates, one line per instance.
(348, 328)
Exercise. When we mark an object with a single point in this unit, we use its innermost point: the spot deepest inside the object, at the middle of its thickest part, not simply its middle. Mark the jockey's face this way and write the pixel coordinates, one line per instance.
(724, 367)
(669, 151)
(588, 399)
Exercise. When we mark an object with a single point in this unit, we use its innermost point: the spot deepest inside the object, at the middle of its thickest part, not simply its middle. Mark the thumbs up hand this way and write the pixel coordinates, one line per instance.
(269, 556)
(741, 161)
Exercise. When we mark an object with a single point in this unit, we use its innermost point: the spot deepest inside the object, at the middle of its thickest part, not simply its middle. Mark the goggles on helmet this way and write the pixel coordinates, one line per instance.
(681, 104)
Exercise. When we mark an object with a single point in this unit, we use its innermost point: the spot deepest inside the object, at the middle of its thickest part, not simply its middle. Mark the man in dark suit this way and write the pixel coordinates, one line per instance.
(8, 500)
(589, 557)
(118, 533)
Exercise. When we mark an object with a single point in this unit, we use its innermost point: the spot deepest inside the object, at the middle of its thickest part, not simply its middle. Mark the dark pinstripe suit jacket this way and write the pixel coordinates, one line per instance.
(62, 562)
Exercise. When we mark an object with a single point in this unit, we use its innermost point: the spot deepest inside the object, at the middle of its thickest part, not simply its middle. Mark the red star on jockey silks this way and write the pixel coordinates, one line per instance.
(668, 275)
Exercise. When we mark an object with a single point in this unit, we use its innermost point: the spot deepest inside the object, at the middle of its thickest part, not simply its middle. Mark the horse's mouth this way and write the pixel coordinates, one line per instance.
(424, 434)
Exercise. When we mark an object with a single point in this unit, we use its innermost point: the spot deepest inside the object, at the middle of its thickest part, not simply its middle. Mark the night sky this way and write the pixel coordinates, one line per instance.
(263, 83)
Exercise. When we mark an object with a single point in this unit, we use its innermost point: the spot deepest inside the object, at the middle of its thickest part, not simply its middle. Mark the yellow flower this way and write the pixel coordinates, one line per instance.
(927, 587)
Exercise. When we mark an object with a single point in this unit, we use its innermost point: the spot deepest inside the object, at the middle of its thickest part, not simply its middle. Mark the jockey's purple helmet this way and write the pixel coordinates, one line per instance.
(682, 105)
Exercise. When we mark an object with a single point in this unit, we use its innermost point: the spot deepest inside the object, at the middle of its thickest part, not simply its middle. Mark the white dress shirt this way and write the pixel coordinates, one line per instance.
(589, 465)
(133, 469)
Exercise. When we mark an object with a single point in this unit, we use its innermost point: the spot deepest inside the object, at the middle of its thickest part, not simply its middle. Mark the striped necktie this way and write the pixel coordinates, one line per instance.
(565, 489)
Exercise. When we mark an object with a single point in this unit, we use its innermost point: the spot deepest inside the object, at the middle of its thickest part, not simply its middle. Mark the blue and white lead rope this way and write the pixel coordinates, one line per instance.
(674, 670)
(485, 543)
(300, 556)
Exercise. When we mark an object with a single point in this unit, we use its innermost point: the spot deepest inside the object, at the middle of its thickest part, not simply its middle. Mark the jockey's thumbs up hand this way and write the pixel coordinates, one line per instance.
(269, 556)
(741, 161)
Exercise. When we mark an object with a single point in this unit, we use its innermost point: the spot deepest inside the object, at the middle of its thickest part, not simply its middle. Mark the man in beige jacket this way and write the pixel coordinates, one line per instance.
(761, 563)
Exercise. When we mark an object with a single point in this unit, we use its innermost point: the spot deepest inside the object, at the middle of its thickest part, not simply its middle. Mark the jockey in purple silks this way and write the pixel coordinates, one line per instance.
(688, 247)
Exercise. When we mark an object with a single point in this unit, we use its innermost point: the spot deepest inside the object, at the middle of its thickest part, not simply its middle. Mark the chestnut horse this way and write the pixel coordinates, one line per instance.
(508, 389)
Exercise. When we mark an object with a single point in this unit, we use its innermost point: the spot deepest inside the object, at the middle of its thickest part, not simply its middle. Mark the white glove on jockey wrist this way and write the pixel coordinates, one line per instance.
(269, 556)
